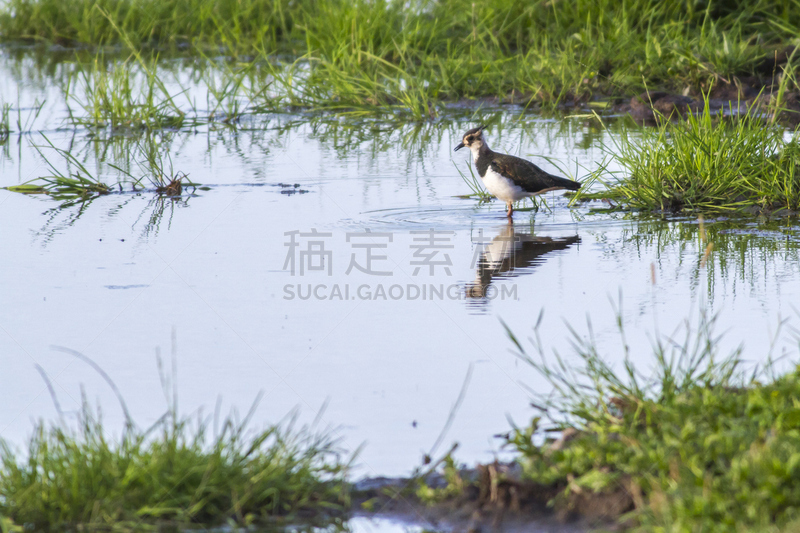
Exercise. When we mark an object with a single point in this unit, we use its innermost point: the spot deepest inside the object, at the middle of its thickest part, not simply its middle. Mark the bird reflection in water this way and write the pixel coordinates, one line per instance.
(511, 253)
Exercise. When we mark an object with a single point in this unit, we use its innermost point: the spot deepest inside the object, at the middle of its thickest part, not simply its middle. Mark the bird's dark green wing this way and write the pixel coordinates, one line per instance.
(528, 176)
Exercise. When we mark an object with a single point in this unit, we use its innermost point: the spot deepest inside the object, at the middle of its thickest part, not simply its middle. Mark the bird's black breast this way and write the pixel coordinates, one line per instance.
(482, 163)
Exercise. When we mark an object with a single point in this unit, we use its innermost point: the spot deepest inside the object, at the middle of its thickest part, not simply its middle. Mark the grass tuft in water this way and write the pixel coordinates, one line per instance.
(709, 162)
(155, 163)
(153, 160)
(125, 95)
(696, 445)
(76, 186)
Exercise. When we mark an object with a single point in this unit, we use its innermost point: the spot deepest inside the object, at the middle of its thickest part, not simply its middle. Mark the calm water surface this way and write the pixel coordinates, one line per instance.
(332, 265)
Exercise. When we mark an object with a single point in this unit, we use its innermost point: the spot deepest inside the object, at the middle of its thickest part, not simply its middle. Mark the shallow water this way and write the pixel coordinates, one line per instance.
(379, 351)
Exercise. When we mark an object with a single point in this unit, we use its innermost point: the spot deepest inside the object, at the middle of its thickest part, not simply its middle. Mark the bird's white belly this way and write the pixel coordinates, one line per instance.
(502, 188)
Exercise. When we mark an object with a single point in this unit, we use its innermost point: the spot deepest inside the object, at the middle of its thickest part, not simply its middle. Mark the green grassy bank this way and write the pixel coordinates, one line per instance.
(413, 54)
(698, 445)
(694, 443)
(178, 473)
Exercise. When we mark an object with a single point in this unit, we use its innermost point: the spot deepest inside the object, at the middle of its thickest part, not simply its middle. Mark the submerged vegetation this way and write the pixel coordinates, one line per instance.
(411, 55)
(78, 184)
(474, 183)
(138, 94)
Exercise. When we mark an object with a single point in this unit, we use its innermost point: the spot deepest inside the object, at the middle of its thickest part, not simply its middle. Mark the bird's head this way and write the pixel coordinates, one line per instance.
(472, 139)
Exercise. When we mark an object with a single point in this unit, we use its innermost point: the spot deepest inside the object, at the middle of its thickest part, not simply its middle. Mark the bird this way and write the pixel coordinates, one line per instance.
(507, 177)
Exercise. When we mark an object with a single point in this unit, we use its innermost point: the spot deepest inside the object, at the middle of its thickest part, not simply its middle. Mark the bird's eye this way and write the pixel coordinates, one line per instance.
(470, 138)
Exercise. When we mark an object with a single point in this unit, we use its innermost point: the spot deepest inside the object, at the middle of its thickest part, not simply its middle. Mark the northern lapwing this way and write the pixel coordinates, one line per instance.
(507, 177)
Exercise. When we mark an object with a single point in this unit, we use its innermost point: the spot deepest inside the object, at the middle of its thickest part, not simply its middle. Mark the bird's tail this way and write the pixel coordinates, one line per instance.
(567, 184)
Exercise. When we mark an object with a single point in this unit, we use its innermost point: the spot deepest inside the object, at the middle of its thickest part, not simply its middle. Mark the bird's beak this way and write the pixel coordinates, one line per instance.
(458, 147)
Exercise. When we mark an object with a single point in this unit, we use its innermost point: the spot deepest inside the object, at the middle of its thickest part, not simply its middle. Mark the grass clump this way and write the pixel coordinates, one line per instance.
(138, 94)
(697, 446)
(176, 473)
(77, 184)
(71, 187)
(708, 162)
(168, 474)
(151, 155)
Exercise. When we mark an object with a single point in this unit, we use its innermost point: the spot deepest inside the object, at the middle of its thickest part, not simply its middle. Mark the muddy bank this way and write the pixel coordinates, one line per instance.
(729, 99)
(731, 95)
(490, 497)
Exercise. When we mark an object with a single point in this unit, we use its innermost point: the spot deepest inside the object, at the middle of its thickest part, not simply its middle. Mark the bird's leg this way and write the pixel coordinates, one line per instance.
(510, 209)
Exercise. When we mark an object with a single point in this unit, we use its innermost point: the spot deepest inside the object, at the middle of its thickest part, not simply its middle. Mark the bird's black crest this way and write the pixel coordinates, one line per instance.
(475, 130)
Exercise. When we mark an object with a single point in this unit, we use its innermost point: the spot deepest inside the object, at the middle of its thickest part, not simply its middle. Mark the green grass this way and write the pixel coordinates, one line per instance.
(78, 185)
(23, 122)
(147, 22)
(698, 444)
(169, 474)
(411, 56)
(378, 54)
(122, 95)
(151, 155)
(178, 474)
(474, 184)
(707, 162)
(5, 122)
(137, 94)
